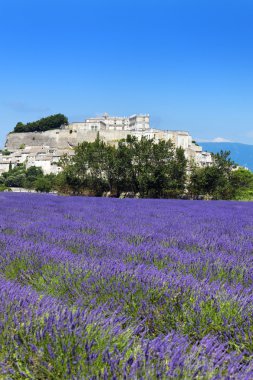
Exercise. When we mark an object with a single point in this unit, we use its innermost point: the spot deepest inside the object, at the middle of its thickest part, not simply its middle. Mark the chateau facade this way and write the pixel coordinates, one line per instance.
(44, 149)
(113, 123)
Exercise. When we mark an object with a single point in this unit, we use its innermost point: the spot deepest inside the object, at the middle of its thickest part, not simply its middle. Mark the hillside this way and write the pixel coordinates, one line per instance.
(242, 154)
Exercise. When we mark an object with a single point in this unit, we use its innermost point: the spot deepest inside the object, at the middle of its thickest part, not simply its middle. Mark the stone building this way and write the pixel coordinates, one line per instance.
(44, 149)
(112, 123)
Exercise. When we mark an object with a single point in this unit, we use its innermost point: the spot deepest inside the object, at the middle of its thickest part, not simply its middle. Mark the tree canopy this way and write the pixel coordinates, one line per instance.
(42, 125)
(213, 181)
(145, 167)
(30, 178)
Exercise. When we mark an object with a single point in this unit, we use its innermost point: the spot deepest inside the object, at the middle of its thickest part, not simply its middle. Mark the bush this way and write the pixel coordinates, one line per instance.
(43, 185)
(15, 180)
(5, 152)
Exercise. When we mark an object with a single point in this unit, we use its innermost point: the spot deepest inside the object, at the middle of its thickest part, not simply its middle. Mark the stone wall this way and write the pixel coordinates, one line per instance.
(60, 139)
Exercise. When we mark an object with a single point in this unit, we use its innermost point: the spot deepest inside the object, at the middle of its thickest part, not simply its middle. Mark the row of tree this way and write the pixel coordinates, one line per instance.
(31, 178)
(221, 180)
(152, 170)
(42, 125)
(157, 170)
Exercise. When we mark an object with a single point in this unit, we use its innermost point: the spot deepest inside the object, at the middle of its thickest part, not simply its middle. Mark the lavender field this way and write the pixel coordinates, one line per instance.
(95, 288)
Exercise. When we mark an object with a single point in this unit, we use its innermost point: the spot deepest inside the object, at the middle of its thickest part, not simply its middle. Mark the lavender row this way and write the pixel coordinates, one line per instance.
(42, 338)
(173, 277)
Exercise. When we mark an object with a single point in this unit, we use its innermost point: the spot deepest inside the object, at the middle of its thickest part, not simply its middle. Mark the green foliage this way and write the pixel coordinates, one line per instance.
(2, 187)
(155, 170)
(15, 177)
(145, 167)
(31, 178)
(32, 174)
(43, 184)
(5, 152)
(213, 181)
(242, 182)
(44, 124)
(15, 180)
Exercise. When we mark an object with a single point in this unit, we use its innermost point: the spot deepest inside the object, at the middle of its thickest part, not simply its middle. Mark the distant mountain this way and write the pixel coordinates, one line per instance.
(242, 154)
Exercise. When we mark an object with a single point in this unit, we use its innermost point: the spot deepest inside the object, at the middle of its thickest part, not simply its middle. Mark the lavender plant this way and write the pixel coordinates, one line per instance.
(96, 288)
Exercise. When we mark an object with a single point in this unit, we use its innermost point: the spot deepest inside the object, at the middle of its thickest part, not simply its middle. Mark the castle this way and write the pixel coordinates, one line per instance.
(44, 149)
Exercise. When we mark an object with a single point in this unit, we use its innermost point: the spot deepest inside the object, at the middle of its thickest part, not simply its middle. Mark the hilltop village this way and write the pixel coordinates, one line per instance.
(44, 149)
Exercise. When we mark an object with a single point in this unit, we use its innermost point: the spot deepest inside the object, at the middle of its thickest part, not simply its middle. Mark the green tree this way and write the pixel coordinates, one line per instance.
(158, 168)
(123, 177)
(41, 125)
(144, 166)
(32, 174)
(5, 152)
(214, 180)
(242, 183)
(177, 178)
(19, 127)
(88, 165)
(16, 180)
(43, 184)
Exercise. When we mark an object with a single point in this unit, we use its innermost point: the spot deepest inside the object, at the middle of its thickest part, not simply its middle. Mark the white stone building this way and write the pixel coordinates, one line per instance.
(113, 123)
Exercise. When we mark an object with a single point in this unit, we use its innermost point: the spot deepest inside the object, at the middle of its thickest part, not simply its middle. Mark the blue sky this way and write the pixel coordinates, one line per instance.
(188, 63)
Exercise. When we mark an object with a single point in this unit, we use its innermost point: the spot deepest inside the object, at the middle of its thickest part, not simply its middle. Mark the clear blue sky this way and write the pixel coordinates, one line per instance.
(188, 63)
